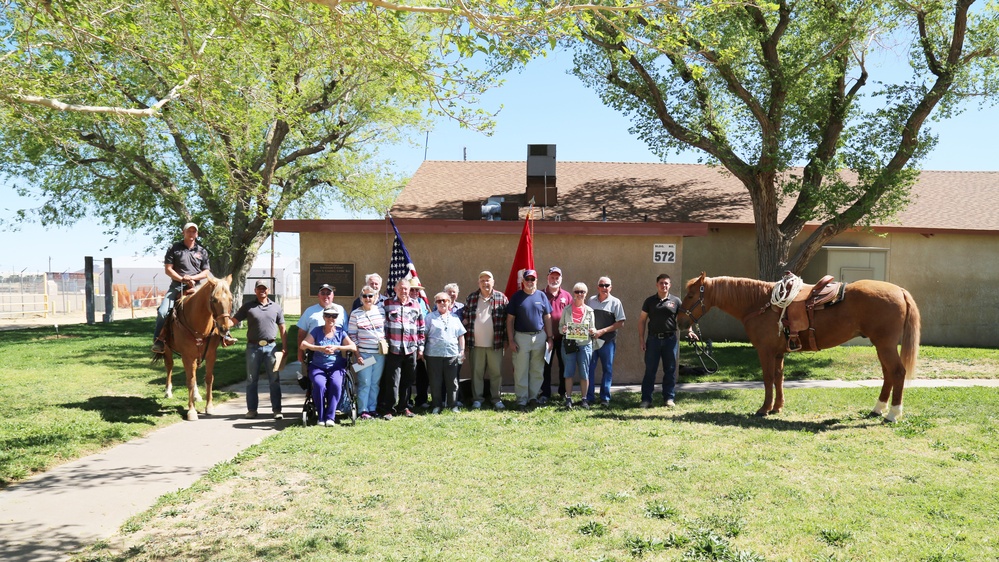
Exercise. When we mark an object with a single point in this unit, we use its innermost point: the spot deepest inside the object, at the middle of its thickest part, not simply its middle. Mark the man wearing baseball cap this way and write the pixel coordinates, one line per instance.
(186, 264)
(312, 317)
(558, 298)
(264, 321)
(529, 325)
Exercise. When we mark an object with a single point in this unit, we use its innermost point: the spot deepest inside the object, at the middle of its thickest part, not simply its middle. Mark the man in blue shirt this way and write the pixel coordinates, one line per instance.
(529, 320)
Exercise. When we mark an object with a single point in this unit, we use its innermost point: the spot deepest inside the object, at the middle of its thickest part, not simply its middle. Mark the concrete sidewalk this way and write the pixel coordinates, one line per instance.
(50, 516)
(73, 505)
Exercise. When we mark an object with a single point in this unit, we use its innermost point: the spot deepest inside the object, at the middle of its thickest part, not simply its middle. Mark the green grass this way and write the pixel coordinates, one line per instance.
(704, 481)
(66, 395)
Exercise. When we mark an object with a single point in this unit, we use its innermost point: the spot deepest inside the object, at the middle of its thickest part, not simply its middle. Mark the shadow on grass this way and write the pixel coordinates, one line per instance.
(122, 409)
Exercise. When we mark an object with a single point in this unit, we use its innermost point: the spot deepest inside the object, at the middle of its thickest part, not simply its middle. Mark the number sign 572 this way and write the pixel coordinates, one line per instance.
(664, 253)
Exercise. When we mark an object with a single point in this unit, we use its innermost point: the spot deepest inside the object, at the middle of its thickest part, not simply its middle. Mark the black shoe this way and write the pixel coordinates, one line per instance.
(158, 347)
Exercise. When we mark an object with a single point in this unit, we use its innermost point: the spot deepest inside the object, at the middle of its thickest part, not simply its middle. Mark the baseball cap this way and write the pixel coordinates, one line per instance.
(530, 273)
(331, 311)
(261, 284)
(189, 225)
(325, 286)
(554, 270)
(488, 274)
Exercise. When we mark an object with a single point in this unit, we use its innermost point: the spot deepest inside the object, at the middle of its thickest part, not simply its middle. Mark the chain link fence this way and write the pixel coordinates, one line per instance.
(43, 295)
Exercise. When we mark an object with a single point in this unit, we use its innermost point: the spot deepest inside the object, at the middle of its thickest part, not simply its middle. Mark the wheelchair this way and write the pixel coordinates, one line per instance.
(347, 406)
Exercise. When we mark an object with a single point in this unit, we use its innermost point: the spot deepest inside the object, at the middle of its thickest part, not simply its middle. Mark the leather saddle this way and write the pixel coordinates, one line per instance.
(798, 316)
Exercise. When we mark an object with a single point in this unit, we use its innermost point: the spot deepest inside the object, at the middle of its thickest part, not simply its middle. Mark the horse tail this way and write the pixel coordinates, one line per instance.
(910, 336)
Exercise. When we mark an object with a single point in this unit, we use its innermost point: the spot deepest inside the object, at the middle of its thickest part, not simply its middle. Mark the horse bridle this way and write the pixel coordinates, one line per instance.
(218, 317)
(690, 315)
(215, 303)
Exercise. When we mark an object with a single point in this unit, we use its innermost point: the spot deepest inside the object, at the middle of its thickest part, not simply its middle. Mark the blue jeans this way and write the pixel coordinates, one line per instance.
(368, 381)
(577, 365)
(166, 304)
(656, 350)
(261, 359)
(604, 356)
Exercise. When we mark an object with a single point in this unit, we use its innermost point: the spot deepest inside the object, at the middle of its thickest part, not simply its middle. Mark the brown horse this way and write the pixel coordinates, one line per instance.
(194, 330)
(882, 312)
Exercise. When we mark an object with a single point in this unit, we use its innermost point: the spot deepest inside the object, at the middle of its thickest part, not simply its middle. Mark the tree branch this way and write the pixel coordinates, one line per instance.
(147, 112)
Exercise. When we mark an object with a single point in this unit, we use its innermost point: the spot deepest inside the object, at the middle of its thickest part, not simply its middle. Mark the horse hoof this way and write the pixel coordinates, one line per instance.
(169, 393)
(192, 415)
(762, 413)
(773, 412)
(210, 410)
(874, 414)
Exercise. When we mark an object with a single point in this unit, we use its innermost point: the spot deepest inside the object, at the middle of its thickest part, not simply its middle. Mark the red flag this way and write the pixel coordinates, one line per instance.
(524, 258)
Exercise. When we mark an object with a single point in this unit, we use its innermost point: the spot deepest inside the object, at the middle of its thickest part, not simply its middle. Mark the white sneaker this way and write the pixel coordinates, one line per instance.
(499, 405)
(456, 409)
(436, 410)
(278, 416)
(251, 414)
(476, 405)
(321, 422)
(670, 404)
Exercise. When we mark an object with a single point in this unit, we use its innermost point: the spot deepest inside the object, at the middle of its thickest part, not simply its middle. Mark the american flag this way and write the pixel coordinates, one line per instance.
(401, 265)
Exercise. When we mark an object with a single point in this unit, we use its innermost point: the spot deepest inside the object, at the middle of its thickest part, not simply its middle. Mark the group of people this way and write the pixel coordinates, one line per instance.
(403, 342)
(409, 352)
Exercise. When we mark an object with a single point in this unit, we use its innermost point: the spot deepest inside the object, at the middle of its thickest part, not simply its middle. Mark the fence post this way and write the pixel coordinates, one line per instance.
(109, 303)
(88, 271)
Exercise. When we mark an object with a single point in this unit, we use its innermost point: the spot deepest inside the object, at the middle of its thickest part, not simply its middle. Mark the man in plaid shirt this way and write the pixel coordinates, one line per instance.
(485, 327)
(406, 335)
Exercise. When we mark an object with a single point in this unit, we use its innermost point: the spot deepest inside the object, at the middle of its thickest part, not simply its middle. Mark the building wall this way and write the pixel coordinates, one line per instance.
(442, 259)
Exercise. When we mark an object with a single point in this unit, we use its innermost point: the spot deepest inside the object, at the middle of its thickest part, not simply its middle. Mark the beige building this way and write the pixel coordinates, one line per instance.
(633, 221)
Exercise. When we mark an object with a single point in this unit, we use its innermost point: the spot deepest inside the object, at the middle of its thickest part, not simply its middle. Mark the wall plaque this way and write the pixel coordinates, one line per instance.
(339, 275)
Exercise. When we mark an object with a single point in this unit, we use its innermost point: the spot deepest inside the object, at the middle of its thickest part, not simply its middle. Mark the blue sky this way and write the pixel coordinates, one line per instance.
(542, 105)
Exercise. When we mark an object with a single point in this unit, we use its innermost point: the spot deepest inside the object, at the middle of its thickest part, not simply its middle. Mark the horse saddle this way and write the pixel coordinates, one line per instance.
(797, 319)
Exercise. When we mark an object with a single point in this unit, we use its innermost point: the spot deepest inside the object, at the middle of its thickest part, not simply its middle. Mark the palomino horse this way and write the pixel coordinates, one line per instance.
(194, 330)
(882, 312)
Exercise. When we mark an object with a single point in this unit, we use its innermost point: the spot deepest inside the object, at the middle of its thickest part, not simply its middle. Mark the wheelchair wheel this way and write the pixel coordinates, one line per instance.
(349, 397)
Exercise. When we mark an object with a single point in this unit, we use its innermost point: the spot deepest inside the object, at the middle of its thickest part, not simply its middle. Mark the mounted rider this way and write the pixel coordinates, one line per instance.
(186, 264)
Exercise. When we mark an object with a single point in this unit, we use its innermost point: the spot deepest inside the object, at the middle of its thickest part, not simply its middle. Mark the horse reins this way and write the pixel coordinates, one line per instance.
(701, 350)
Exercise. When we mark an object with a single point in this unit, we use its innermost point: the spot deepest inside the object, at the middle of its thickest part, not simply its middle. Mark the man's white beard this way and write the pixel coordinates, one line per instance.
(556, 285)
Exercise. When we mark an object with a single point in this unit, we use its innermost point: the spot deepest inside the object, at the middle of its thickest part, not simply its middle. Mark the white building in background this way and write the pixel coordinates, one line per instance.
(147, 272)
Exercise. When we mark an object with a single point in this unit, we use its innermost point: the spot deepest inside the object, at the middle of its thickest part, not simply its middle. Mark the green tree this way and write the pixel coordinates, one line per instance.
(775, 94)
(148, 114)
(779, 94)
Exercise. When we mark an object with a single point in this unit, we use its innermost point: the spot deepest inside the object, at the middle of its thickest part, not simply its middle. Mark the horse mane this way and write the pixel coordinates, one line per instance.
(738, 292)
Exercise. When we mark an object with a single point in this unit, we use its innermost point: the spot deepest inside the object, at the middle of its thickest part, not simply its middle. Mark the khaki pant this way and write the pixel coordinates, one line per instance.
(486, 359)
(528, 365)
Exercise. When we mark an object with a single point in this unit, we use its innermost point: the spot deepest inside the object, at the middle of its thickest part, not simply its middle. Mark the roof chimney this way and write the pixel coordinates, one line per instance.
(541, 178)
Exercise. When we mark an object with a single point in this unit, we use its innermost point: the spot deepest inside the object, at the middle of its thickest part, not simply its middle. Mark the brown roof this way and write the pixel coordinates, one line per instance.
(686, 193)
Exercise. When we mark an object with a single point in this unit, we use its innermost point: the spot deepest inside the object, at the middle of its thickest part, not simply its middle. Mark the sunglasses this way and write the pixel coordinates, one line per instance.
(604, 285)
(325, 292)
(367, 296)
(441, 301)
(330, 315)
(580, 292)
(530, 279)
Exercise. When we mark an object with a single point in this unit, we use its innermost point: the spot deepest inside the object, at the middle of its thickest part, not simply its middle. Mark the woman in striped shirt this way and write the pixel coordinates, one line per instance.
(367, 329)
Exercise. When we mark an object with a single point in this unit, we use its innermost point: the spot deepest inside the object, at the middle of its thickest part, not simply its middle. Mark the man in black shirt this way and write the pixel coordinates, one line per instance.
(657, 333)
(186, 264)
